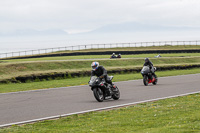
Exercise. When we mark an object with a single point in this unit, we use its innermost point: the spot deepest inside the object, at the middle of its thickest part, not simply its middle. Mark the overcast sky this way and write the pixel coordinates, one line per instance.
(83, 15)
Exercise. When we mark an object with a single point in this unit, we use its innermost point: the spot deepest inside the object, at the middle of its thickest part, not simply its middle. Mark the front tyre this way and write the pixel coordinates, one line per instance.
(98, 94)
(145, 80)
(116, 94)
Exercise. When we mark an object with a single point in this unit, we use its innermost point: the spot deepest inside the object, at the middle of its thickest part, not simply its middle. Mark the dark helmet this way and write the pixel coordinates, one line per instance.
(146, 60)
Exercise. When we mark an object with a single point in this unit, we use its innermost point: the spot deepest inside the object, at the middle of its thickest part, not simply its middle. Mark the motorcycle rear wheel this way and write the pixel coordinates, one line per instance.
(156, 81)
(116, 94)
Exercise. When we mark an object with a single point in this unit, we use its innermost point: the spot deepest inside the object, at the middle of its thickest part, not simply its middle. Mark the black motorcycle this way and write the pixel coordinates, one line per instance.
(102, 90)
(149, 76)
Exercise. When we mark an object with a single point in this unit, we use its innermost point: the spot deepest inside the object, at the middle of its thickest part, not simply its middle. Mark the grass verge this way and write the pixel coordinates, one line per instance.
(166, 47)
(4, 88)
(128, 48)
(100, 57)
(11, 70)
(175, 115)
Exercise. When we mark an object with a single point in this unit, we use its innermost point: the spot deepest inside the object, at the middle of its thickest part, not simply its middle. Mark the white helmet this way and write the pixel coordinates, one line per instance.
(94, 65)
(113, 54)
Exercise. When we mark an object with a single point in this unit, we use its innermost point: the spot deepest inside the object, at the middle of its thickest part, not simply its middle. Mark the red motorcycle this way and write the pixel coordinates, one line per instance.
(148, 76)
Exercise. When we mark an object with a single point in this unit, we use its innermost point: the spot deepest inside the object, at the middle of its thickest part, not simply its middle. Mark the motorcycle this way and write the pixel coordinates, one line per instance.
(102, 90)
(148, 76)
(114, 57)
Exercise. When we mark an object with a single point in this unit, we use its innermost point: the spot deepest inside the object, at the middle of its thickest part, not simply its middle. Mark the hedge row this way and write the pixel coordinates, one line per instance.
(65, 75)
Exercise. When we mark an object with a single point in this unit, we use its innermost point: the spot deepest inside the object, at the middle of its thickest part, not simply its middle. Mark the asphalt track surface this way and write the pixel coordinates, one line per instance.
(34, 105)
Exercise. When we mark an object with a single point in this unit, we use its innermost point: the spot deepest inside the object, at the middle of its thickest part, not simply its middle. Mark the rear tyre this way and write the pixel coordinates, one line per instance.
(98, 94)
(155, 82)
(116, 94)
(145, 80)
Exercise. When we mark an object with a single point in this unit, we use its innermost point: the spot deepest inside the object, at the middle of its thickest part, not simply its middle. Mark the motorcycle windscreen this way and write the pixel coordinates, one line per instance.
(145, 69)
(92, 80)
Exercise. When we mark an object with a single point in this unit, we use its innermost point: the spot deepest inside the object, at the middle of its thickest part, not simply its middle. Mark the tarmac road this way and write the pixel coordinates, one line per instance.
(30, 105)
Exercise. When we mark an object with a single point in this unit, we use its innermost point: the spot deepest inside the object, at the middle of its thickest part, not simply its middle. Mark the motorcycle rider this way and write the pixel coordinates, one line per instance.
(149, 64)
(119, 56)
(101, 72)
(113, 56)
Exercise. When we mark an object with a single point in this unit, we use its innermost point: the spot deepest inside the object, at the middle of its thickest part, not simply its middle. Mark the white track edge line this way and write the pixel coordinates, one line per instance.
(83, 85)
(92, 110)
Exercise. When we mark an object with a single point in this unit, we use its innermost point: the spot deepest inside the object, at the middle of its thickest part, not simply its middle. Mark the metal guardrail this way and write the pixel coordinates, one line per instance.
(96, 46)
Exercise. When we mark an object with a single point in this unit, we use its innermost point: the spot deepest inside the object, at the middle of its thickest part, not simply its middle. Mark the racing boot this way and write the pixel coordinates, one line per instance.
(114, 88)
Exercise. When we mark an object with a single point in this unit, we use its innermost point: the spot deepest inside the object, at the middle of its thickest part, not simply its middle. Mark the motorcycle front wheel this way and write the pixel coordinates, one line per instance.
(98, 94)
(145, 80)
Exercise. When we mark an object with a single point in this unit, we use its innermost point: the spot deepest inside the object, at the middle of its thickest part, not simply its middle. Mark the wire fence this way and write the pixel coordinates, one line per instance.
(96, 46)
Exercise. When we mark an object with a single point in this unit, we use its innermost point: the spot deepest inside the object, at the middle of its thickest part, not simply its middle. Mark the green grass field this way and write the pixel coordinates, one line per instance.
(175, 115)
(171, 115)
(12, 87)
(139, 48)
(14, 69)
(166, 47)
(101, 57)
